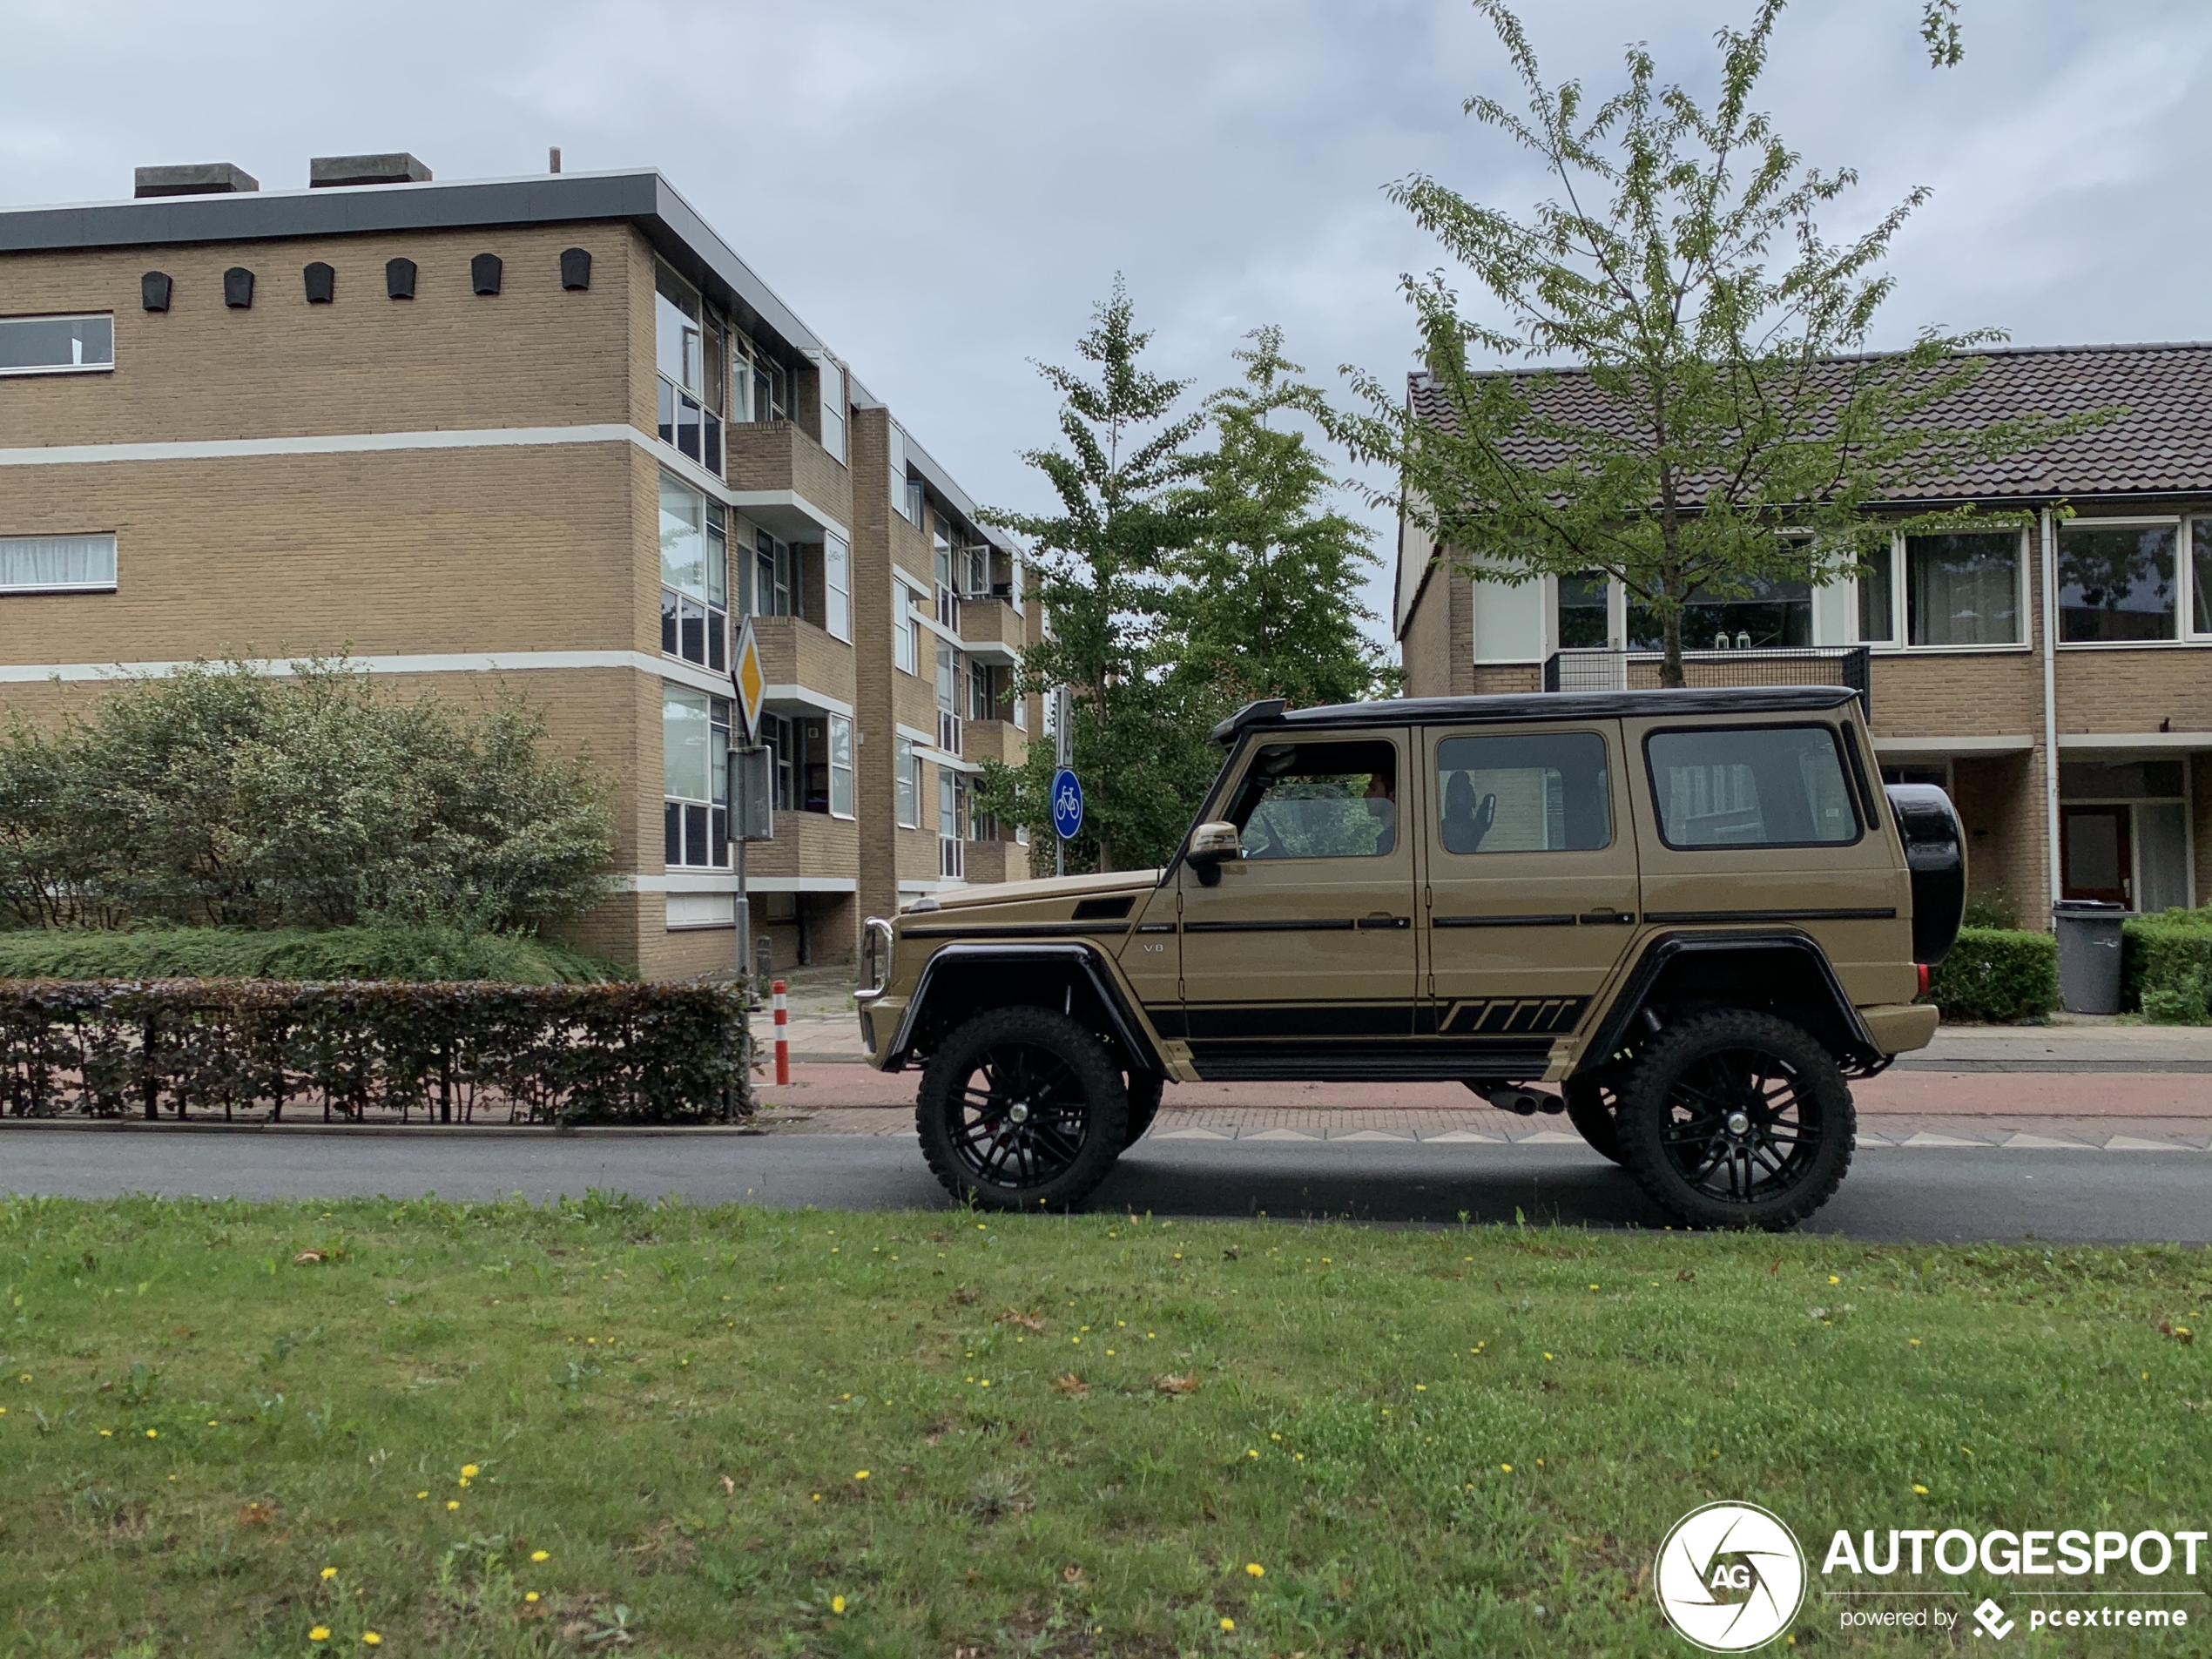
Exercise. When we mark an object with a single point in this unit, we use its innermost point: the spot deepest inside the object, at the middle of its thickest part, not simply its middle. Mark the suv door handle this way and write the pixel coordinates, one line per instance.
(1606, 915)
(1384, 918)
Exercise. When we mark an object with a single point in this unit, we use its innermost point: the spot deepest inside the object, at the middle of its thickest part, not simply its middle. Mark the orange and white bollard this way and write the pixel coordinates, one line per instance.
(783, 1036)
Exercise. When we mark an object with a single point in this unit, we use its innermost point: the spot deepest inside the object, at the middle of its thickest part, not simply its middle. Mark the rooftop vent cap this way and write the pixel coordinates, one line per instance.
(340, 172)
(193, 178)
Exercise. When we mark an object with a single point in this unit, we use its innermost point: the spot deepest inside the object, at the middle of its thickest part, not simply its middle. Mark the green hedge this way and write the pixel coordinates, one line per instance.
(2166, 967)
(372, 951)
(533, 1053)
(1998, 974)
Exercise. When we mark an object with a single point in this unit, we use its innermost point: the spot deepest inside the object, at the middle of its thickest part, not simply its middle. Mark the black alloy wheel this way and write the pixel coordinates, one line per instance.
(1022, 1108)
(1736, 1119)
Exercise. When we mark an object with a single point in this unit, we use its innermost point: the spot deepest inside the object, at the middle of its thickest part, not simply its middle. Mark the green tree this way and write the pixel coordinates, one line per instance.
(1267, 594)
(1101, 569)
(223, 794)
(1724, 395)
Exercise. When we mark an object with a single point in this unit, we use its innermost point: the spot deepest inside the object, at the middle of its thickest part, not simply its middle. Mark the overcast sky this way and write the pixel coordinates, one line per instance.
(942, 190)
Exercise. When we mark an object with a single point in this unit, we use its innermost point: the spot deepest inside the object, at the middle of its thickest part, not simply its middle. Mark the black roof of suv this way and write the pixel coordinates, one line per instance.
(1539, 706)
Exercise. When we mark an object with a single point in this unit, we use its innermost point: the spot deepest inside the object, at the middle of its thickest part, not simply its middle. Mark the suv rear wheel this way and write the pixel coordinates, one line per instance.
(1736, 1119)
(1022, 1108)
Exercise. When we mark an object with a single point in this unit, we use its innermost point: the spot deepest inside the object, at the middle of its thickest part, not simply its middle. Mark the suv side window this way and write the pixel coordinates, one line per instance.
(1781, 785)
(1541, 792)
(1319, 800)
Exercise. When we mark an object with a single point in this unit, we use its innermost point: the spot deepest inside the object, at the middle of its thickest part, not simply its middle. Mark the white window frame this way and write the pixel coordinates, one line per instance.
(96, 542)
(2188, 556)
(2184, 581)
(714, 546)
(716, 799)
(907, 793)
(837, 586)
(832, 376)
(108, 367)
(839, 740)
(906, 630)
(1901, 644)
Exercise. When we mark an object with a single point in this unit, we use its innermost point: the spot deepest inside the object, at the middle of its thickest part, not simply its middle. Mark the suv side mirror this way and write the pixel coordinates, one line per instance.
(1212, 846)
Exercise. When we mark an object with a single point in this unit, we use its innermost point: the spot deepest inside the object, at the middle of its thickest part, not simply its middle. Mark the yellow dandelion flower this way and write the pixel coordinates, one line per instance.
(1919, 1489)
(107, 1434)
(818, 1497)
(369, 1638)
(468, 1470)
(453, 1503)
(529, 1596)
(541, 1555)
(1255, 1569)
(153, 1433)
(1508, 1468)
(859, 1474)
(330, 1572)
(1229, 1624)
(1250, 1452)
(1912, 1342)
(836, 1604)
(321, 1633)
(210, 1422)
(1832, 1280)
(1594, 1287)
(422, 1495)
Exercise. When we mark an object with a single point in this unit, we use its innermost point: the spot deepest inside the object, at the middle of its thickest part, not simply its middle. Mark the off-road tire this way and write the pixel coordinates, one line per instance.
(1143, 1088)
(1680, 1092)
(1589, 1107)
(1036, 1059)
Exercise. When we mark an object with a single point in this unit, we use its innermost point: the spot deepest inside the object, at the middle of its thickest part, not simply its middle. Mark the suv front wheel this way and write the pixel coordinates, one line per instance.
(1022, 1108)
(1736, 1119)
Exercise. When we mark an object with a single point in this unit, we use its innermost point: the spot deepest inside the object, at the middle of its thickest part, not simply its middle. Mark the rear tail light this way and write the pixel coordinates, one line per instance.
(1926, 974)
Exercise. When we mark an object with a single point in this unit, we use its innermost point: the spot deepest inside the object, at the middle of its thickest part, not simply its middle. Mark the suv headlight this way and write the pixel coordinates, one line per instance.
(875, 956)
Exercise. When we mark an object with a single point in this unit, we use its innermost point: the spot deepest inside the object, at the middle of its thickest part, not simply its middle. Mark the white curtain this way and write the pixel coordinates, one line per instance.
(56, 562)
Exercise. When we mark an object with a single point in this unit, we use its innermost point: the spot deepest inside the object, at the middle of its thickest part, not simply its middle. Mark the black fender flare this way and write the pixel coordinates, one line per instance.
(1858, 1052)
(1085, 959)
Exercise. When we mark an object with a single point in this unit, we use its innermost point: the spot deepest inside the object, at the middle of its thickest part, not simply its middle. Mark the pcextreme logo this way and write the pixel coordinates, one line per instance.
(1730, 1577)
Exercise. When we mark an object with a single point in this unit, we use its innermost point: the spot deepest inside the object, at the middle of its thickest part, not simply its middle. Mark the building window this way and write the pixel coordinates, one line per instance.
(2118, 584)
(907, 764)
(1021, 704)
(952, 812)
(947, 572)
(775, 586)
(1585, 612)
(694, 575)
(56, 345)
(906, 630)
(1772, 614)
(832, 382)
(906, 494)
(840, 766)
(57, 563)
(837, 586)
(780, 736)
(948, 691)
(1878, 597)
(695, 779)
(759, 386)
(688, 353)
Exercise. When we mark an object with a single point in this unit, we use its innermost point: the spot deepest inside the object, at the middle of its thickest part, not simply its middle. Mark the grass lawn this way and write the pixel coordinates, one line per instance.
(500, 1430)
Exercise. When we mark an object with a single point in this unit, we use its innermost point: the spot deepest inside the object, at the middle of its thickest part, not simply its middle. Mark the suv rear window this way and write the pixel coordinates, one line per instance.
(1536, 793)
(1778, 785)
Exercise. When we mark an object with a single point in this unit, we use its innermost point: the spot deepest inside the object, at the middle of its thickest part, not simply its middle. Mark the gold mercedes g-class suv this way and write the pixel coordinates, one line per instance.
(1696, 915)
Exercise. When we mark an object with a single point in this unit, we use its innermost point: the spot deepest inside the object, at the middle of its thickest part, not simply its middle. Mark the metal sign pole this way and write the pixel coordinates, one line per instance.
(750, 784)
(1064, 752)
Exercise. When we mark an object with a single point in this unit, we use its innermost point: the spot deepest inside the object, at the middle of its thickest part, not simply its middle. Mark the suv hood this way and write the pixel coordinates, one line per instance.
(1048, 888)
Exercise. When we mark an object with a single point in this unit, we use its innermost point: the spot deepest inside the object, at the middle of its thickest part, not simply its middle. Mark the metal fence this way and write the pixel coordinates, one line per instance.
(1638, 671)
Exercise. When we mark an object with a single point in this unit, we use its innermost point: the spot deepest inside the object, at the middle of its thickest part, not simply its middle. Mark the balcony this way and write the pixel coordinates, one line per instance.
(1638, 671)
(992, 621)
(797, 652)
(993, 740)
(772, 458)
(806, 844)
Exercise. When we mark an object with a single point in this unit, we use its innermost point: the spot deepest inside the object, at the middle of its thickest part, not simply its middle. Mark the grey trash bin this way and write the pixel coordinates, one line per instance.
(2089, 954)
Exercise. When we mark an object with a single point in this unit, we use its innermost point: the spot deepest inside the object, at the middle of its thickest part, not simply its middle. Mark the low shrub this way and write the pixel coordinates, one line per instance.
(384, 950)
(2001, 975)
(544, 1053)
(2166, 967)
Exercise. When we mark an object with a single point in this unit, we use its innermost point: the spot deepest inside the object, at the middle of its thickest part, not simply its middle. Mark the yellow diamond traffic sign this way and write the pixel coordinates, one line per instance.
(750, 681)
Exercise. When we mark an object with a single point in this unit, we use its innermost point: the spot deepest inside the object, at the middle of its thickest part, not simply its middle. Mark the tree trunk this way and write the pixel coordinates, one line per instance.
(1670, 675)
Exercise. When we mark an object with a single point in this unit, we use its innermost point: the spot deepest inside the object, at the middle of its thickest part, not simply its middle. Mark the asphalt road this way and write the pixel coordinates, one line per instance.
(1892, 1194)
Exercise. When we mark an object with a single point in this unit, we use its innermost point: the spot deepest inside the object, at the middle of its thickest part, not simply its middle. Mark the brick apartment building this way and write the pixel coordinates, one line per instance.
(547, 433)
(2083, 640)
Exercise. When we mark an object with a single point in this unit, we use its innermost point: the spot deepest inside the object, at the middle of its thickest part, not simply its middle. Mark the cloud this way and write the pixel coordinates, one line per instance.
(943, 190)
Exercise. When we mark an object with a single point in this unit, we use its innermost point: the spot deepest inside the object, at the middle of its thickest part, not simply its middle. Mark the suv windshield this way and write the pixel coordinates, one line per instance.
(1319, 800)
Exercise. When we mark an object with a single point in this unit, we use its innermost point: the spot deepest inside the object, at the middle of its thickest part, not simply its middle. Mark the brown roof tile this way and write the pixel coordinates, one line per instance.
(2161, 444)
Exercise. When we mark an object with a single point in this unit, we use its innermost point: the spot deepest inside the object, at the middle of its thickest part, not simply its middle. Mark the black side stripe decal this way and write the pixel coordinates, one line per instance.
(1331, 926)
(1502, 921)
(1883, 913)
(1020, 930)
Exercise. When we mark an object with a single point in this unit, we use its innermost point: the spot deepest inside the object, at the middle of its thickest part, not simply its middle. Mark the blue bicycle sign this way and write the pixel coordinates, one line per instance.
(1066, 804)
